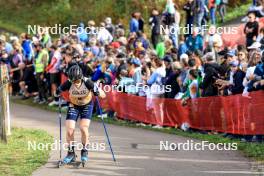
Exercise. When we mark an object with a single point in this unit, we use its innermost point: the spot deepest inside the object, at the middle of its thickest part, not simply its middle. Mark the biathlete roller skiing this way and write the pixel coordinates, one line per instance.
(81, 91)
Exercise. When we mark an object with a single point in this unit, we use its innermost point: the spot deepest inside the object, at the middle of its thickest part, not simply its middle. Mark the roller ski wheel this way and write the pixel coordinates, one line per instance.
(60, 164)
(84, 157)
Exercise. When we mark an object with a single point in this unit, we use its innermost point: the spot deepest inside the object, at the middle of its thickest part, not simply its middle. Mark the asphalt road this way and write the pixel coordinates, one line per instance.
(137, 151)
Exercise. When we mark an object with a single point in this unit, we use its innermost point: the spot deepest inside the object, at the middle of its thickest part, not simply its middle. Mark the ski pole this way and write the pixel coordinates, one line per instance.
(105, 129)
(60, 127)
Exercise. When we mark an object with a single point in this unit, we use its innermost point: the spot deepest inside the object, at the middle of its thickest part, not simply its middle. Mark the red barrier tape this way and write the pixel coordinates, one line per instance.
(232, 114)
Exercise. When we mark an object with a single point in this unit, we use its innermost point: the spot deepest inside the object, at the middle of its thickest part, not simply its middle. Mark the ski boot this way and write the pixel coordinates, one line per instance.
(70, 158)
(84, 156)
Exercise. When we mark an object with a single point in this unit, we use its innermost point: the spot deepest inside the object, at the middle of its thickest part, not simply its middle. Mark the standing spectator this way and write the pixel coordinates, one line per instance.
(134, 25)
(172, 72)
(212, 72)
(189, 9)
(155, 22)
(141, 22)
(236, 79)
(109, 26)
(199, 11)
(7, 46)
(27, 48)
(251, 29)
(104, 36)
(249, 77)
(16, 61)
(222, 9)
(53, 70)
(155, 80)
(160, 48)
(81, 33)
(212, 9)
(195, 42)
(174, 31)
(41, 62)
(182, 46)
(213, 38)
(193, 86)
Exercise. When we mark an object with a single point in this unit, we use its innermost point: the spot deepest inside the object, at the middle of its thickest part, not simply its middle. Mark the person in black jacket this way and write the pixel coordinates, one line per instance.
(212, 72)
(173, 70)
(189, 9)
(155, 22)
(251, 29)
(236, 82)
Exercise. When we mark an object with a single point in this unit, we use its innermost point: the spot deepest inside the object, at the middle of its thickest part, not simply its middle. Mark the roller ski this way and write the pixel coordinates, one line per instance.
(84, 157)
(70, 159)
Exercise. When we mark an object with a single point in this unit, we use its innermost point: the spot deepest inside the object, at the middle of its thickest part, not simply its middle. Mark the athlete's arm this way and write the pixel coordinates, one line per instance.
(64, 87)
(97, 91)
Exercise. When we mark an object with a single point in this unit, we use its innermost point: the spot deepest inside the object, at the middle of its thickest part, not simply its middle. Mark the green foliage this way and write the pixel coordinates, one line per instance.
(16, 159)
(49, 12)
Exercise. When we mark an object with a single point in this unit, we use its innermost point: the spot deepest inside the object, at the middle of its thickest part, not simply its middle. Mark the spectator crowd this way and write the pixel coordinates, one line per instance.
(193, 65)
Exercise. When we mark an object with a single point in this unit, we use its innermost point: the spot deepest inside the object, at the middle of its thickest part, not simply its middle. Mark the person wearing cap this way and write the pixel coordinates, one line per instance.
(168, 61)
(236, 79)
(135, 71)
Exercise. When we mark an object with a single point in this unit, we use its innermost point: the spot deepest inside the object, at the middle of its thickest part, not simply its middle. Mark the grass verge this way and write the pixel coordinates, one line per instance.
(16, 159)
(254, 151)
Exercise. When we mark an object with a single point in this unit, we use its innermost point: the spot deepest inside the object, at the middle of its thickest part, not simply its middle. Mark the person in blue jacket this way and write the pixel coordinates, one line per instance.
(82, 34)
(195, 42)
(134, 25)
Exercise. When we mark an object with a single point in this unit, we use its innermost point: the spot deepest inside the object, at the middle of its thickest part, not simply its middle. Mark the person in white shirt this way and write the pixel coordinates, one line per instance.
(104, 36)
